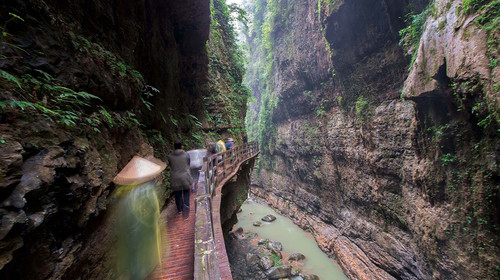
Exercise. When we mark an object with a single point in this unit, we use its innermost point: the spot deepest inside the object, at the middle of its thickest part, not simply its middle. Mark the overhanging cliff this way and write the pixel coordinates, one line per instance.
(84, 86)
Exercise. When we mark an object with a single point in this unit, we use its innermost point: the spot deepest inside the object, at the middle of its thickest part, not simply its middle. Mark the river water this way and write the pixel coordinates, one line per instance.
(293, 239)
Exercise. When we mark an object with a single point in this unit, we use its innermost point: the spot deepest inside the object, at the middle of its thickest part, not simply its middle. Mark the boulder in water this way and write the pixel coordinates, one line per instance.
(296, 257)
(281, 271)
(274, 245)
(309, 277)
(263, 241)
(268, 218)
(257, 224)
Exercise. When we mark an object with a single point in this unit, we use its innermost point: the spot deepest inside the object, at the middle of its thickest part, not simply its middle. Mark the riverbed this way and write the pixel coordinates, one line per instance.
(293, 239)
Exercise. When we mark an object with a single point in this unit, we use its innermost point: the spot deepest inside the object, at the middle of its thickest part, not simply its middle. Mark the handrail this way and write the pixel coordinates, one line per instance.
(218, 170)
(213, 173)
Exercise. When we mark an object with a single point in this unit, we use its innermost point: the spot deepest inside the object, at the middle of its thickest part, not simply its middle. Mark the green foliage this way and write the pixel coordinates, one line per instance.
(276, 259)
(469, 6)
(483, 108)
(362, 109)
(410, 35)
(489, 19)
(268, 18)
(148, 92)
(447, 159)
(5, 35)
(115, 63)
(45, 96)
(320, 112)
(6, 77)
(228, 97)
(361, 105)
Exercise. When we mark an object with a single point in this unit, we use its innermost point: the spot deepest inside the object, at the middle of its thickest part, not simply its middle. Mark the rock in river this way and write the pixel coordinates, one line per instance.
(274, 245)
(296, 257)
(257, 224)
(268, 218)
(309, 277)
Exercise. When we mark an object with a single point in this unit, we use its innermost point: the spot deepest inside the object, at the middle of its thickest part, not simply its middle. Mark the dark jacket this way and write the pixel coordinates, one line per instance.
(180, 176)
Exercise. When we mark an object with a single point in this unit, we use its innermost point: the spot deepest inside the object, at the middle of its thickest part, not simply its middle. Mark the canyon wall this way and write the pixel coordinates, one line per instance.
(384, 144)
(84, 86)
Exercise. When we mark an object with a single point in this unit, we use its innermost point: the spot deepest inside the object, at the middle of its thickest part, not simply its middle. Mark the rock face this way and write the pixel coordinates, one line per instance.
(396, 188)
(146, 65)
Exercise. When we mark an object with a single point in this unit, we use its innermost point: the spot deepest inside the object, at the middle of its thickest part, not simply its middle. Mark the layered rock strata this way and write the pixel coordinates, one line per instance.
(397, 187)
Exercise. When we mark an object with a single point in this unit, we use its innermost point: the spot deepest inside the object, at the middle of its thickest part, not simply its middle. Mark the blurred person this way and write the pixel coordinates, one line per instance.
(229, 146)
(221, 147)
(180, 177)
(138, 215)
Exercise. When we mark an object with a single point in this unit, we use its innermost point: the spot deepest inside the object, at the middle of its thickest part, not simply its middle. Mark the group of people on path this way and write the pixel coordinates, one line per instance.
(139, 207)
(181, 180)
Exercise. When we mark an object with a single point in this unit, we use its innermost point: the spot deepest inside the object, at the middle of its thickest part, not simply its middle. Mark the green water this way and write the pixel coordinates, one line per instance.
(293, 239)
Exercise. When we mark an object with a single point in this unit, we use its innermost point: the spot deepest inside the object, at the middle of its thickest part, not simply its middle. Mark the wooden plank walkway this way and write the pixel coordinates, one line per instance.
(178, 239)
(177, 244)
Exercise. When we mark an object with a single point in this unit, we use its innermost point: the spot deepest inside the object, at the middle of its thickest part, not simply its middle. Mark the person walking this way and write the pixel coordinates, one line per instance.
(137, 221)
(180, 177)
(221, 147)
(229, 146)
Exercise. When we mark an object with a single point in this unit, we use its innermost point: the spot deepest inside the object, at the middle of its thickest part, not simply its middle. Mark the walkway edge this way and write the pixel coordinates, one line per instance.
(210, 257)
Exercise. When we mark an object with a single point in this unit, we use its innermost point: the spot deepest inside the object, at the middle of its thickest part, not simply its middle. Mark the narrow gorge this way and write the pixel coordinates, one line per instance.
(378, 125)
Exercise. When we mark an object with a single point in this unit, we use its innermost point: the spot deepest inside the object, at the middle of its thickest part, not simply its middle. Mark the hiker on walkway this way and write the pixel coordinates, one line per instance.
(229, 146)
(221, 147)
(180, 177)
(212, 150)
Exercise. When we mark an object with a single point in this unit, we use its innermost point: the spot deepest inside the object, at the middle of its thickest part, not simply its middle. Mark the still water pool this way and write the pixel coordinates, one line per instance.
(293, 239)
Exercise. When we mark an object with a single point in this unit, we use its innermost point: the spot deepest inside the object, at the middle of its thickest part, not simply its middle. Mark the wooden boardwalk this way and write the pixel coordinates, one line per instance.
(178, 232)
(177, 244)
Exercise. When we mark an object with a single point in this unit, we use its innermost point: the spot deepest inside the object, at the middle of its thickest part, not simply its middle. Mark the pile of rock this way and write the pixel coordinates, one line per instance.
(263, 258)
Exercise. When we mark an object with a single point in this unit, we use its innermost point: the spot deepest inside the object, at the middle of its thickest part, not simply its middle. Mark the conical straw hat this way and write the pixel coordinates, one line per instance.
(138, 171)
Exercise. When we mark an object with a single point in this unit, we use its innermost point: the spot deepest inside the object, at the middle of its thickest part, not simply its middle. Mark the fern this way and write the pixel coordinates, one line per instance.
(15, 16)
(107, 115)
(174, 121)
(16, 104)
(46, 75)
(10, 78)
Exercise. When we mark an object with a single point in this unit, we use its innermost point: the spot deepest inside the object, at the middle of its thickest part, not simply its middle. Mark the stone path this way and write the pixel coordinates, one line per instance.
(177, 244)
